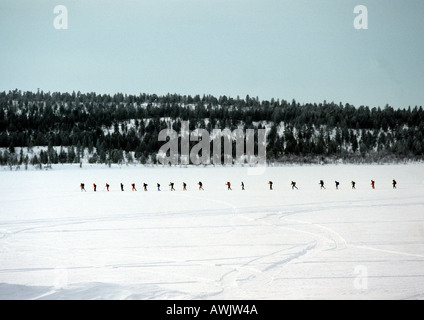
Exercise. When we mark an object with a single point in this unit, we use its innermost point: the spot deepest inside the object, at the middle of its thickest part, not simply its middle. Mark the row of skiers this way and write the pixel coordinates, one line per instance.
(321, 183)
(228, 184)
(145, 185)
(353, 184)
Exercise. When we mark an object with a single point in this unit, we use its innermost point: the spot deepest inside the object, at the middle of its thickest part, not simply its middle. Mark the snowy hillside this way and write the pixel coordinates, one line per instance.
(57, 242)
(57, 128)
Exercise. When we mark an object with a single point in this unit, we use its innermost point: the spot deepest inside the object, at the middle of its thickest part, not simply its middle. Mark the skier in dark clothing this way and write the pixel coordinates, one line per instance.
(158, 185)
(122, 187)
(133, 187)
(184, 186)
(82, 187)
(321, 183)
(270, 185)
(242, 185)
(293, 185)
(353, 184)
(373, 184)
(394, 183)
(337, 184)
(107, 187)
(94, 187)
(172, 186)
(200, 185)
(228, 184)
(145, 186)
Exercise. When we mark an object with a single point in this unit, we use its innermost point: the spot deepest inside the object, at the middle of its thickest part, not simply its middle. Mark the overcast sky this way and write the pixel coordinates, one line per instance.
(306, 50)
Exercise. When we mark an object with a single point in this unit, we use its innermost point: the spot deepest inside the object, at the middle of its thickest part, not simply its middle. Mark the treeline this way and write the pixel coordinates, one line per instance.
(124, 128)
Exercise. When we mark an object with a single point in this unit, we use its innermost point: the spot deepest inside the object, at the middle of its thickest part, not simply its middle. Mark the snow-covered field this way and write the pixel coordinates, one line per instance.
(57, 242)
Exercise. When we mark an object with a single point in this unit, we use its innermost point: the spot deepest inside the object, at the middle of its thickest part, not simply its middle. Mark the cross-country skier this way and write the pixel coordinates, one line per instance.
(107, 187)
(158, 185)
(394, 183)
(337, 184)
(228, 184)
(270, 185)
(293, 185)
(94, 187)
(353, 184)
(82, 187)
(200, 185)
(242, 185)
(184, 186)
(373, 184)
(145, 186)
(321, 183)
(133, 187)
(171, 184)
(122, 187)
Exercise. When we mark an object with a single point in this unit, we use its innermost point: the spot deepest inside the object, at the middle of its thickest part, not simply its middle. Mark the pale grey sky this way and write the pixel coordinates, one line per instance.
(306, 50)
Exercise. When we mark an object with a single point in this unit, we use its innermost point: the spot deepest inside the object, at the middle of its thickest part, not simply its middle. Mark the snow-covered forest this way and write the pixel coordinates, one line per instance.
(39, 128)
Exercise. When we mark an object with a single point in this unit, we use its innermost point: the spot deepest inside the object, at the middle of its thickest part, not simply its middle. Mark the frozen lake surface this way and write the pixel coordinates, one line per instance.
(57, 242)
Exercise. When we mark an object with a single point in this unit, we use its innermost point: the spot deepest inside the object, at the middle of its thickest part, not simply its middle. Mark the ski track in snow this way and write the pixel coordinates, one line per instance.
(260, 244)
